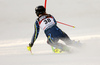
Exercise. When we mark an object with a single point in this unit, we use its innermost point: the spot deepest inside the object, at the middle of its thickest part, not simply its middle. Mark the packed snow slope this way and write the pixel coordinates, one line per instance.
(17, 18)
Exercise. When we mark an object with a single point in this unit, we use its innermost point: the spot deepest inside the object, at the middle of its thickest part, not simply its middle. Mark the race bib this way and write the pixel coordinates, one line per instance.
(46, 23)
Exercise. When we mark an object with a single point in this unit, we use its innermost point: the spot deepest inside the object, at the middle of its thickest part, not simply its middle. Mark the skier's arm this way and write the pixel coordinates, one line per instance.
(54, 20)
(36, 32)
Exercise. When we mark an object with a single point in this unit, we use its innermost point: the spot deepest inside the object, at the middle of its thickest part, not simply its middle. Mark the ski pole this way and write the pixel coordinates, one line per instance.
(31, 52)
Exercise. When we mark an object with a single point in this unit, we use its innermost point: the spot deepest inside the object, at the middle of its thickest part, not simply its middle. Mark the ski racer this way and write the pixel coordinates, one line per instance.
(53, 33)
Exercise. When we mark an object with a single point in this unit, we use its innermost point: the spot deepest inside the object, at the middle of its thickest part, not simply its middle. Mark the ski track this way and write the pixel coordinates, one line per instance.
(88, 54)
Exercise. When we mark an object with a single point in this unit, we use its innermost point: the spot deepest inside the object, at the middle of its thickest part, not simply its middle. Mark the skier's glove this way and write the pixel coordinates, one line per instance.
(29, 47)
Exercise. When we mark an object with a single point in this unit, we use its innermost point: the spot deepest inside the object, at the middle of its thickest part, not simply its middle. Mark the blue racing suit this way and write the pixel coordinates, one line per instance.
(52, 32)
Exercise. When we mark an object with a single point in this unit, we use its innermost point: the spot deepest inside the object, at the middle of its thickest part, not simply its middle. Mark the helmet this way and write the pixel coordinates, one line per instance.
(39, 10)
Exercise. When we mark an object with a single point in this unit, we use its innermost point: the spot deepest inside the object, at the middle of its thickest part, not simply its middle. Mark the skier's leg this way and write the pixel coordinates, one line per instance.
(65, 38)
(54, 42)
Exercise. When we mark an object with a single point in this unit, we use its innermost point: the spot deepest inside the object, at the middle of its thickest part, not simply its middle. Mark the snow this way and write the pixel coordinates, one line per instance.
(17, 18)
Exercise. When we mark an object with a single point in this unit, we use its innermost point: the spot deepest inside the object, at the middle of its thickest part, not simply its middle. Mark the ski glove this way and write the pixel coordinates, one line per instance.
(28, 48)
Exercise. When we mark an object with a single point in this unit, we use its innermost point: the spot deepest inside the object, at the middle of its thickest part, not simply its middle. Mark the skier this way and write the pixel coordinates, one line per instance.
(53, 33)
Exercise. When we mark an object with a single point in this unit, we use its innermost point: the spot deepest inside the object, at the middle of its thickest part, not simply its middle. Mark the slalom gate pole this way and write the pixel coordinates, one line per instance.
(66, 24)
(45, 4)
(58, 21)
